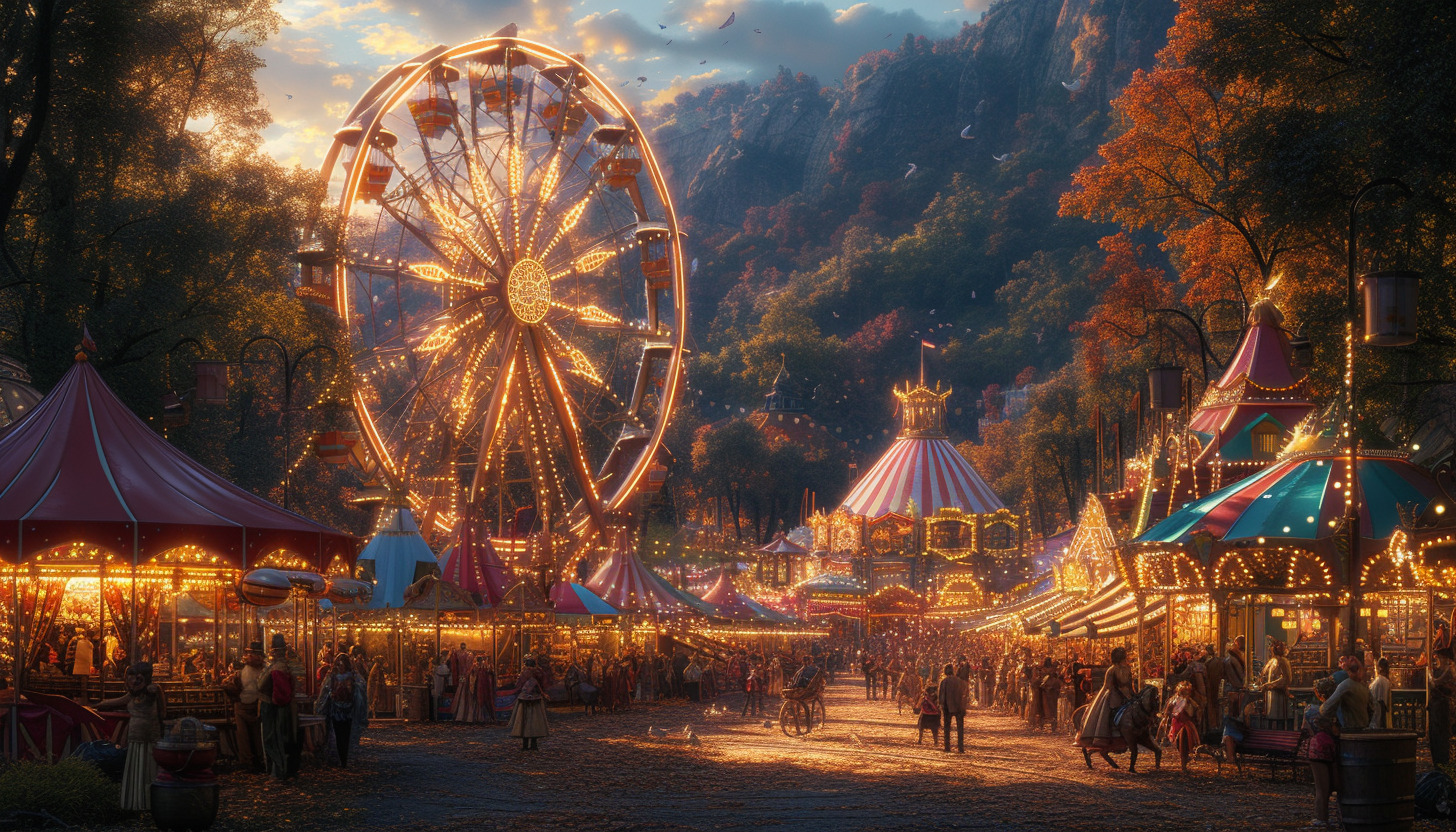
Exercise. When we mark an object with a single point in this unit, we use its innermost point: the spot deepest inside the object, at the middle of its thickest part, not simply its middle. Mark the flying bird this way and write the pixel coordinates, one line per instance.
(669, 43)
(836, 314)
(290, 98)
(641, 79)
(1002, 158)
(625, 83)
(912, 169)
(1039, 333)
(758, 31)
(1074, 86)
(966, 133)
(932, 311)
(888, 36)
(694, 269)
(732, 16)
(700, 63)
(980, 106)
(660, 26)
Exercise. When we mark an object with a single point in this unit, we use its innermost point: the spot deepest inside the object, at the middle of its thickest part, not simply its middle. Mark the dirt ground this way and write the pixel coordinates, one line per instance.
(862, 771)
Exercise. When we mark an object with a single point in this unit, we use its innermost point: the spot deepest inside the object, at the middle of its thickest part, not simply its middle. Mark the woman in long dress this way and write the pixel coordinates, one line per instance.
(528, 717)
(146, 705)
(1277, 674)
(1098, 730)
(343, 703)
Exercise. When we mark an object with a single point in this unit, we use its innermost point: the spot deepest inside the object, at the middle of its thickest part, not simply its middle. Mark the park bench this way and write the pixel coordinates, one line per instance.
(1273, 745)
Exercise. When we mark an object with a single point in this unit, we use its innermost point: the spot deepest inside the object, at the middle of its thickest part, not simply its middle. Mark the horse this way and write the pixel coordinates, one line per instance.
(1135, 726)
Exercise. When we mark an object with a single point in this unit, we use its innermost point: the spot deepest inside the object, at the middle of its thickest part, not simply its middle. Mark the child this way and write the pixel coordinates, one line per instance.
(1179, 713)
(929, 711)
(1323, 732)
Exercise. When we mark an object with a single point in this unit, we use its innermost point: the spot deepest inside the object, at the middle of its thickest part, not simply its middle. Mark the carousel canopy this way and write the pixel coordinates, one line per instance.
(733, 604)
(1298, 498)
(781, 545)
(473, 565)
(397, 557)
(432, 593)
(81, 467)
(575, 599)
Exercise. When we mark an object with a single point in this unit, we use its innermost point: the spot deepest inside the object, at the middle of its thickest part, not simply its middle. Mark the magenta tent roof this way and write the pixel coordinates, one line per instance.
(82, 468)
(929, 471)
(574, 599)
(473, 565)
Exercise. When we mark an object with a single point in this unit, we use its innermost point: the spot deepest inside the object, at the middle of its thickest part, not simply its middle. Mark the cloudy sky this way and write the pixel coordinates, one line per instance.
(330, 50)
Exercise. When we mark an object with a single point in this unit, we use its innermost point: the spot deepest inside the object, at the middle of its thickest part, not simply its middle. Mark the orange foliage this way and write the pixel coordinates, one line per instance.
(1129, 291)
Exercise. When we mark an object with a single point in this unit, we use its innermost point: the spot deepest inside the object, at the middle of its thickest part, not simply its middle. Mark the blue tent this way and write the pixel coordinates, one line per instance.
(396, 557)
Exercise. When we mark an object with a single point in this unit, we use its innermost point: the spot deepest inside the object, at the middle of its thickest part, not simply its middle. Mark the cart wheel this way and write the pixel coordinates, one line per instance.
(789, 719)
(817, 717)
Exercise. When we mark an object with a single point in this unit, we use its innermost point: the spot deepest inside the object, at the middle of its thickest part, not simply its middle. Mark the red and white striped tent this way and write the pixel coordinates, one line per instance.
(629, 585)
(928, 470)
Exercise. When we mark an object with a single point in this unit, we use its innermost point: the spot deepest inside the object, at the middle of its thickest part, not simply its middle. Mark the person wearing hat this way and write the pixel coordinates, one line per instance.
(1442, 685)
(277, 712)
(242, 687)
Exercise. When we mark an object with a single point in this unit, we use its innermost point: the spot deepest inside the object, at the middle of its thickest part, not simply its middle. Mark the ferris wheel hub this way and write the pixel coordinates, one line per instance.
(528, 291)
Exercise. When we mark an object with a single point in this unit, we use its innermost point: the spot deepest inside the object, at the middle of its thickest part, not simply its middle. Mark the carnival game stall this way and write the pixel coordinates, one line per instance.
(105, 528)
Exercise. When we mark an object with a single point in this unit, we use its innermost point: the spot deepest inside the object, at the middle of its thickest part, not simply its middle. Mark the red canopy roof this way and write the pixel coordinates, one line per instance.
(726, 597)
(81, 468)
(473, 565)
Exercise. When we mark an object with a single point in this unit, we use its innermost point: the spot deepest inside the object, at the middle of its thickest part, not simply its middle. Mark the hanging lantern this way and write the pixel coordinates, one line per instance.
(1165, 387)
(652, 241)
(1301, 351)
(210, 380)
(1390, 307)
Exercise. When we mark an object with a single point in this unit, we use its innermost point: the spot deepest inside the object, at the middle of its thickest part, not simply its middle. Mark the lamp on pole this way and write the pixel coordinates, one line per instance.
(1386, 324)
(290, 372)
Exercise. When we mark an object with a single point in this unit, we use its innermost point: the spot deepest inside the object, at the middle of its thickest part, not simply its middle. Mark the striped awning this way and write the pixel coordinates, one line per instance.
(929, 471)
(1302, 498)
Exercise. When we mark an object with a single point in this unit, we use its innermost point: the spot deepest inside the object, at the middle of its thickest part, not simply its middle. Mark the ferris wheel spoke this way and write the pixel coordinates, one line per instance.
(561, 406)
(407, 223)
(494, 410)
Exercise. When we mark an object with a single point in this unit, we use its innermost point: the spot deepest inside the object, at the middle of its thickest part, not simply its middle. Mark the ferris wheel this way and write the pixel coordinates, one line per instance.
(510, 273)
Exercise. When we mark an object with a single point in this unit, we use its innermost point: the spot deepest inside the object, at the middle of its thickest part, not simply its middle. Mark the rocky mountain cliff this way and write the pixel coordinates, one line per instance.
(730, 148)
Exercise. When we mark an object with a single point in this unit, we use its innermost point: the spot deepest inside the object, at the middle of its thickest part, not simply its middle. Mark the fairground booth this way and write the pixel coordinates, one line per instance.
(112, 539)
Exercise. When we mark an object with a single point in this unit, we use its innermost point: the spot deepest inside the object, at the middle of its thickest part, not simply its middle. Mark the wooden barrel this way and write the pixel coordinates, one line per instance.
(1378, 780)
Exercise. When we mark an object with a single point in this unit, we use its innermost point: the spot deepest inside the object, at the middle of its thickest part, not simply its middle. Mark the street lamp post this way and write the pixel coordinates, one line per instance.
(290, 370)
(1352, 316)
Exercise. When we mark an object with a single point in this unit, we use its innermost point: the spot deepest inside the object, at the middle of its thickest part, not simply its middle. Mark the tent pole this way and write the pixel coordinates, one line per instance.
(132, 656)
(14, 750)
(101, 620)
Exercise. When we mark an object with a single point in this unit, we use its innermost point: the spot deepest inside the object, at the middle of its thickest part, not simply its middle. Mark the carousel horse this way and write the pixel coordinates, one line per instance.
(1133, 724)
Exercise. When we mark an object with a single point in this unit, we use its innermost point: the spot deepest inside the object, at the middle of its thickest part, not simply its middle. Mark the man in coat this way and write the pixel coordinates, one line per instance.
(954, 695)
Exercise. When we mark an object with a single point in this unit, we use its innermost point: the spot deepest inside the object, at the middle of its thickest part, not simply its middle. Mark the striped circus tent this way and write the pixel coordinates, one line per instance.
(733, 604)
(925, 469)
(473, 565)
(628, 584)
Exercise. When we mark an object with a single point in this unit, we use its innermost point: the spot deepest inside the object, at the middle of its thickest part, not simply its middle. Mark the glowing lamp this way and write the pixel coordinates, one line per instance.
(1364, 612)
(1277, 612)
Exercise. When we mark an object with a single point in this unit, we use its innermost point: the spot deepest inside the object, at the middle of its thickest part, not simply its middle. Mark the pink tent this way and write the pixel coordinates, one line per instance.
(733, 604)
(625, 583)
(82, 468)
(473, 565)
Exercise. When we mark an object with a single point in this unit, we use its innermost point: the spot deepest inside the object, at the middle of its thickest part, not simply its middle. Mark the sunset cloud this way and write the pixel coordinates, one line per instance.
(392, 41)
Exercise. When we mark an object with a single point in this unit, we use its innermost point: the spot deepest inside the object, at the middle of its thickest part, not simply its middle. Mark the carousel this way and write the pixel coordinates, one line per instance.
(118, 548)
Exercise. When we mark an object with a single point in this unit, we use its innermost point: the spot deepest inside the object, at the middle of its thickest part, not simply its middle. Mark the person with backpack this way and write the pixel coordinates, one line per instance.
(278, 713)
(342, 704)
